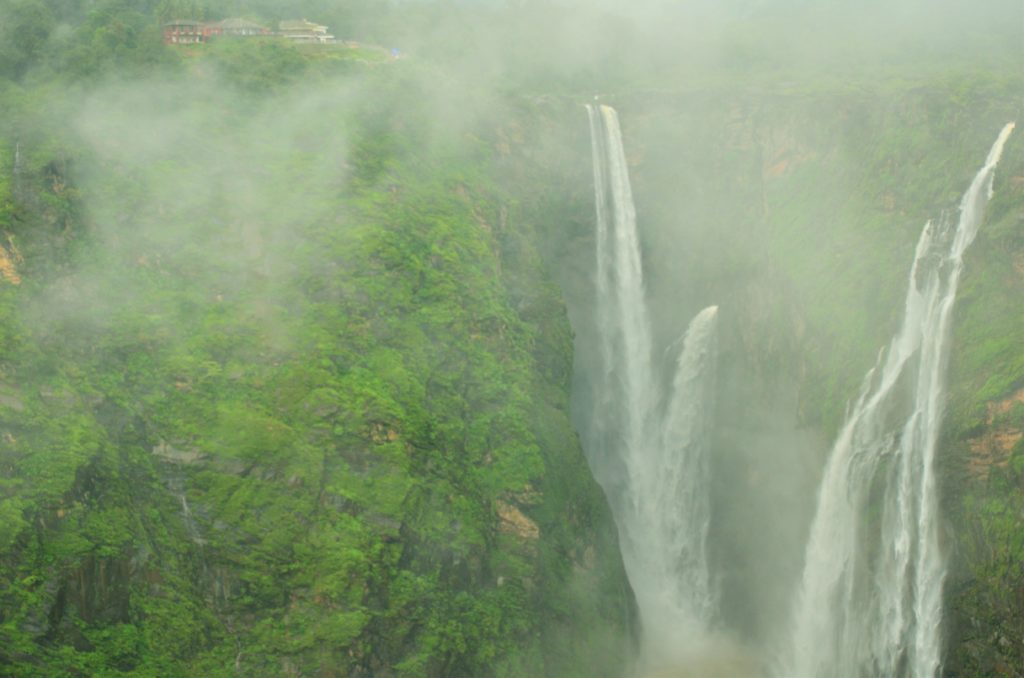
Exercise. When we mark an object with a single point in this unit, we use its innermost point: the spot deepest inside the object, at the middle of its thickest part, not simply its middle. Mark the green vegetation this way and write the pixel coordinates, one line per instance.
(284, 386)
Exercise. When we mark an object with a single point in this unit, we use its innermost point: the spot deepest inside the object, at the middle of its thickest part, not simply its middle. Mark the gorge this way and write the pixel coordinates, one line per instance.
(870, 598)
(422, 361)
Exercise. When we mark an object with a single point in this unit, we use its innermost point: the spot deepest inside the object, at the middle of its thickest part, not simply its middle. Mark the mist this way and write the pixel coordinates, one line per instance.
(351, 303)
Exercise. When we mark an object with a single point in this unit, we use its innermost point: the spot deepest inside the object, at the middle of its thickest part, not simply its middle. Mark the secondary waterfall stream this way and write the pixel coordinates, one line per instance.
(649, 436)
(870, 599)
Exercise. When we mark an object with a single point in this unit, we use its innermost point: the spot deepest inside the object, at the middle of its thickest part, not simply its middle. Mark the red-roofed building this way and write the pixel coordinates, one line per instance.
(190, 31)
(184, 32)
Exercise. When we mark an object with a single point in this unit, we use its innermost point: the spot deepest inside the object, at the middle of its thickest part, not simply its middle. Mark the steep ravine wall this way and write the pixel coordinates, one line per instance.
(272, 409)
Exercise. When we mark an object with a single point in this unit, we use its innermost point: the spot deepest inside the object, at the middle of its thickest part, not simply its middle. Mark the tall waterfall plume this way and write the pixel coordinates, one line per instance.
(649, 434)
(870, 600)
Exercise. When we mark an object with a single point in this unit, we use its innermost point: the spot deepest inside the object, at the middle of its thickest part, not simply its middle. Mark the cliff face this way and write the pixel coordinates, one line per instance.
(984, 447)
(285, 392)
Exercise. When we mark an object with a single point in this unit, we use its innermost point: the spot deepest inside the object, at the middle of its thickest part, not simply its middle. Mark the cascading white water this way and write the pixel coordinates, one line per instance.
(869, 602)
(649, 451)
(675, 511)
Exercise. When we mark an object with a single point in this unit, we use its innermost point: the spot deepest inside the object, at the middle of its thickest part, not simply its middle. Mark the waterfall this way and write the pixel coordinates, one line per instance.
(648, 440)
(16, 182)
(869, 602)
(189, 521)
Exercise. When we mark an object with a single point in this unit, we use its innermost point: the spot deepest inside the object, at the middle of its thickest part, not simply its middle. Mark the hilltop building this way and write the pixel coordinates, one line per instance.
(304, 31)
(190, 31)
(237, 28)
(184, 32)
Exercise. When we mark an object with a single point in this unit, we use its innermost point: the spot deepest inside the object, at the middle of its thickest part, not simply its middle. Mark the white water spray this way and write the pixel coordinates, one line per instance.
(649, 450)
(870, 600)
